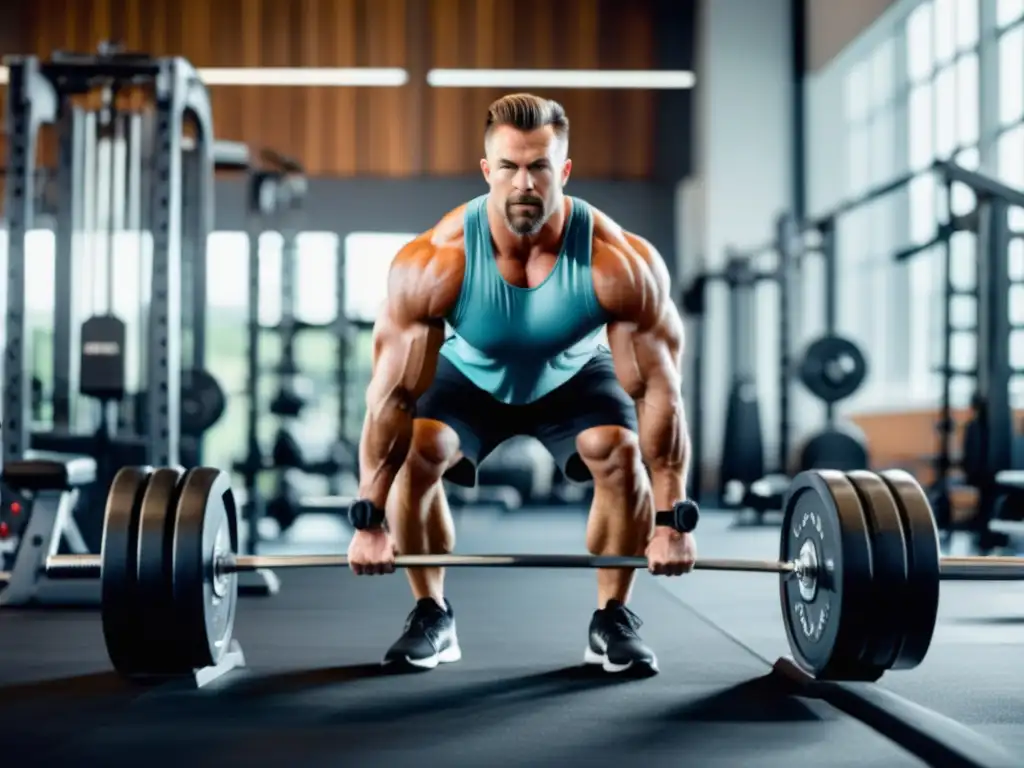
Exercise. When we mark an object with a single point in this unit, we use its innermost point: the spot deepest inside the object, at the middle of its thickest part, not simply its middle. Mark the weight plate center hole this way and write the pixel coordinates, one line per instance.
(808, 570)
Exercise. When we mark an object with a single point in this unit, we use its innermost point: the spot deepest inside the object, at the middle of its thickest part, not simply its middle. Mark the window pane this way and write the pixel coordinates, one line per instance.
(883, 73)
(919, 350)
(920, 120)
(368, 257)
(270, 278)
(962, 197)
(1017, 349)
(227, 270)
(1010, 150)
(921, 198)
(969, 158)
(962, 309)
(963, 350)
(858, 91)
(964, 265)
(858, 161)
(967, 23)
(316, 281)
(945, 113)
(945, 29)
(881, 146)
(967, 109)
(919, 42)
(1011, 76)
(1017, 307)
(41, 248)
(1017, 259)
(1008, 11)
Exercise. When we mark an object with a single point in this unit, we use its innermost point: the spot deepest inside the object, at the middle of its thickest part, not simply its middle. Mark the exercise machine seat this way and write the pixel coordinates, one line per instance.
(42, 471)
(767, 493)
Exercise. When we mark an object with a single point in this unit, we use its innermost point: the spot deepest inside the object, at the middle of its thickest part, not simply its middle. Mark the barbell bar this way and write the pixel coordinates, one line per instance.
(91, 566)
(951, 568)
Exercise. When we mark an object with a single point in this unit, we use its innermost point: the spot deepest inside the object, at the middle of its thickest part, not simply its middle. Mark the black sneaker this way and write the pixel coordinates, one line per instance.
(614, 643)
(429, 637)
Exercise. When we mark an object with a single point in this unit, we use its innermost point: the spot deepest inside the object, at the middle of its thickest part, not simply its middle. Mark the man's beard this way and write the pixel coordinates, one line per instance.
(524, 222)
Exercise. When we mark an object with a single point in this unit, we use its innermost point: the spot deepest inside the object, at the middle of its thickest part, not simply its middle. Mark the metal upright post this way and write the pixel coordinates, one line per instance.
(67, 264)
(31, 101)
(994, 368)
(786, 234)
(342, 330)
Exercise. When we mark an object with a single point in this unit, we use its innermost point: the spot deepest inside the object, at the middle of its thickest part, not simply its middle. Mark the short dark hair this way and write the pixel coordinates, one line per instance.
(527, 112)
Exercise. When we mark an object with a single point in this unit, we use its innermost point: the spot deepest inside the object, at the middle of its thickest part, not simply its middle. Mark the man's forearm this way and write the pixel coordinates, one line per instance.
(385, 441)
(665, 444)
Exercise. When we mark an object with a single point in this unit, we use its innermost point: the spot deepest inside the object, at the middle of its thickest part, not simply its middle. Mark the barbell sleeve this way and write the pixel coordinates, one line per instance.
(981, 569)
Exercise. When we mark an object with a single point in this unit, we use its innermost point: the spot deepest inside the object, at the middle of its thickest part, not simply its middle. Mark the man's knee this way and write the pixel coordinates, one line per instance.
(434, 448)
(612, 454)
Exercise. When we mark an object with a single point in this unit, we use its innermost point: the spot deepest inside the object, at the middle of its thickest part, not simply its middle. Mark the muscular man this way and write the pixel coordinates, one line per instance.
(527, 278)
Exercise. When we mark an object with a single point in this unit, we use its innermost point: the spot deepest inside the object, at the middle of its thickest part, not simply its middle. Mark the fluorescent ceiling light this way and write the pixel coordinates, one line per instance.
(561, 78)
(305, 76)
(298, 76)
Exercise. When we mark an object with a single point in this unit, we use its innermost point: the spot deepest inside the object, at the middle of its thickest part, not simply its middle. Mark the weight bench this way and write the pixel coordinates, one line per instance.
(51, 483)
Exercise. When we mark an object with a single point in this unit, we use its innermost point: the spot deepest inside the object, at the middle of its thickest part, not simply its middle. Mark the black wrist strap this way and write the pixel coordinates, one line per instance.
(683, 517)
(366, 516)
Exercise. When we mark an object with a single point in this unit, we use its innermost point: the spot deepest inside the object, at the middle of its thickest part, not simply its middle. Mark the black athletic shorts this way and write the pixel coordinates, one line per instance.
(591, 398)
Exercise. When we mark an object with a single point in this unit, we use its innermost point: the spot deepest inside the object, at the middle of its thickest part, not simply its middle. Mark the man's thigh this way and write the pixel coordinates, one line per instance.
(476, 417)
(591, 398)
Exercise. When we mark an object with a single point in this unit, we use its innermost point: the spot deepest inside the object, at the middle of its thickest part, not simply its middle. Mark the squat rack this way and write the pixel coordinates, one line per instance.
(39, 93)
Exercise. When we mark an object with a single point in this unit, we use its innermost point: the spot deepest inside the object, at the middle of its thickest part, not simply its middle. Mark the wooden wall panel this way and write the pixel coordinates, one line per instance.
(612, 131)
(408, 131)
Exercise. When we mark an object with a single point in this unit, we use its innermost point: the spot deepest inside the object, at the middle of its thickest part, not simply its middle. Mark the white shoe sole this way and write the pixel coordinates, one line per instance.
(449, 655)
(590, 656)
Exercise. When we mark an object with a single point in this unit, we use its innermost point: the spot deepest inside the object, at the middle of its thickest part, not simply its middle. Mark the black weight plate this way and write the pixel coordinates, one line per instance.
(825, 617)
(202, 402)
(832, 368)
(921, 608)
(204, 601)
(889, 569)
(156, 538)
(120, 605)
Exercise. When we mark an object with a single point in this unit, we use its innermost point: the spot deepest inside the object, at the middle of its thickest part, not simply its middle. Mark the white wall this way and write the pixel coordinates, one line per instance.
(742, 180)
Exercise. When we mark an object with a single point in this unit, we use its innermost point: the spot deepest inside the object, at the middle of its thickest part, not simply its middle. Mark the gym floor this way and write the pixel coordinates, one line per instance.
(313, 692)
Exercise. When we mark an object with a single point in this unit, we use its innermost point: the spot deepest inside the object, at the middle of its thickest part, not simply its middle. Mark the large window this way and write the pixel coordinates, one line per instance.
(1010, 155)
(943, 122)
(865, 236)
(314, 283)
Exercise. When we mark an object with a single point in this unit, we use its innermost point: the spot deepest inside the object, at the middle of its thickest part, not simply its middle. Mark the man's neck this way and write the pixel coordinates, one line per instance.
(548, 239)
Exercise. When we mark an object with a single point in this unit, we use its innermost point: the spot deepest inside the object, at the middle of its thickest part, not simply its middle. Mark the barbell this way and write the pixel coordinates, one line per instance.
(859, 570)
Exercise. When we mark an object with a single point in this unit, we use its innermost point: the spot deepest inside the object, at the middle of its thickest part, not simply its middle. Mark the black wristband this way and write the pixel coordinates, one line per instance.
(366, 516)
(683, 517)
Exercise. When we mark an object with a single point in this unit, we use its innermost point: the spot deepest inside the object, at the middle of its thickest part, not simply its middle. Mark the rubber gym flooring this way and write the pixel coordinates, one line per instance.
(313, 693)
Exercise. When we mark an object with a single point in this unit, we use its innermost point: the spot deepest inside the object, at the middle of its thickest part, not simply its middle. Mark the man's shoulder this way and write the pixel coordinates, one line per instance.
(449, 233)
(611, 239)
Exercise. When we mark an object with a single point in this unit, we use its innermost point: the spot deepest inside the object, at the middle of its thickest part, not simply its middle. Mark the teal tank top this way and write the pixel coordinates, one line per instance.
(515, 343)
